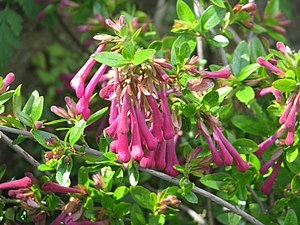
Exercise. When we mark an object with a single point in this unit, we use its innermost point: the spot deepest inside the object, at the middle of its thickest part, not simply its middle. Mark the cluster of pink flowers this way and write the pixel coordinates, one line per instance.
(226, 153)
(281, 20)
(251, 9)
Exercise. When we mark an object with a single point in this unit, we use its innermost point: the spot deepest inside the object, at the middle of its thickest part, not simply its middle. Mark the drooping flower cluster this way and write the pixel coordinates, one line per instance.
(251, 9)
(226, 153)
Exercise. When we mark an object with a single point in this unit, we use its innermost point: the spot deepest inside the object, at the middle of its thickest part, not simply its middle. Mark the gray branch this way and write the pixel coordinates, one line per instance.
(163, 176)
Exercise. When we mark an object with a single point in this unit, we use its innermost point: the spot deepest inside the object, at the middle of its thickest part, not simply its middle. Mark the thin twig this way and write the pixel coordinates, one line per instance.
(199, 39)
(196, 216)
(257, 199)
(213, 32)
(235, 35)
(19, 150)
(173, 180)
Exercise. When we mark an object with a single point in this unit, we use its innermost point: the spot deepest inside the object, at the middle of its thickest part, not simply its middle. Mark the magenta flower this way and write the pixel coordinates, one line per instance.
(50, 186)
(24, 182)
(117, 24)
(223, 73)
(148, 160)
(160, 155)
(6, 82)
(267, 185)
(263, 62)
(77, 83)
(281, 47)
(171, 158)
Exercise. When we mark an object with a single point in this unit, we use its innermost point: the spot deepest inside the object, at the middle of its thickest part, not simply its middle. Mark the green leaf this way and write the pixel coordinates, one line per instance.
(250, 125)
(240, 58)
(6, 96)
(137, 216)
(64, 168)
(218, 41)
(157, 45)
(245, 94)
(291, 218)
(156, 219)
(120, 192)
(142, 196)
(15, 22)
(189, 39)
(233, 219)
(211, 99)
(17, 100)
(272, 7)
(10, 214)
(211, 17)
(245, 146)
(256, 48)
(291, 154)
(43, 137)
(191, 197)
(142, 55)
(247, 71)
(285, 85)
(219, 3)
(216, 180)
(184, 12)
(295, 184)
(34, 106)
(133, 174)
(112, 59)
(52, 201)
(122, 209)
(76, 132)
(189, 110)
(95, 116)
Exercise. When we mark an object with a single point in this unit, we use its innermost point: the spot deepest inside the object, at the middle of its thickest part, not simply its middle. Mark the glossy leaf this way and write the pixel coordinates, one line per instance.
(184, 12)
(240, 58)
(245, 94)
(142, 55)
(285, 85)
(112, 59)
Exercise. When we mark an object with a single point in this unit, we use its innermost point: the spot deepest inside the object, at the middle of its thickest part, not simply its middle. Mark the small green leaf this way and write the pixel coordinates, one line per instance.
(43, 138)
(219, 3)
(97, 115)
(211, 99)
(245, 94)
(157, 45)
(250, 125)
(216, 180)
(240, 58)
(285, 85)
(2, 170)
(52, 201)
(112, 59)
(191, 197)
(245, 146)
(76, 132)
(189, 110)
(120, 192)
(6, 96)
(17, 100)
(64, 168)
(142, 55)
(291, 154)
(184, 12)
(142, 196)
(156, 219)
(247, 71)
(137, 216)
(186, 38)
(133, 174)
(212, 16)
(256, 48)
(291, 218)
(219, 41)
(233, 219)
(295, 184)
(122, 209)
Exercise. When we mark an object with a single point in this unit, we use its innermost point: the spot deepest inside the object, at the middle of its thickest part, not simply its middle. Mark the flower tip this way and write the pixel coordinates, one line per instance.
(260, 60)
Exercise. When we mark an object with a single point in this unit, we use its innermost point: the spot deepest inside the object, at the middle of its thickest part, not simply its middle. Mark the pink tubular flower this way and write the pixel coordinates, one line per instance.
(265, 144)
(157, 118)
(117, 24)
(85, 223)
(160, 155)
(168, 130)
(267, 185)
(223, 73)
(227, 158)
(281, 47)
(171, 158)
(77, 83)
(290, 137)
(59, 219)
(148, 160)
(50, 186)
(24, 182)
(263, 62)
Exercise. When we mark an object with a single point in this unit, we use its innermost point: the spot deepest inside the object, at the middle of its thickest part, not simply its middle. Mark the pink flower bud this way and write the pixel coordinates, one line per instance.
(157, 118)
(290, 138)
(291, 118)
(112, 129)
(71, 106)
(77, 83)
(146, 135)
(122, 148)
(50, 186)
(168, 130)
(223, 73)
(281, 47)
(123, 124)
(60, 112)
(41, 15)
(227, 158)
(8, 79)
(171, 158)
(267, 185)
(38, 124)
(160, 155)
(59, 219)
(285, 113)
(261, 61)
(24, 182)
(148, 160)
